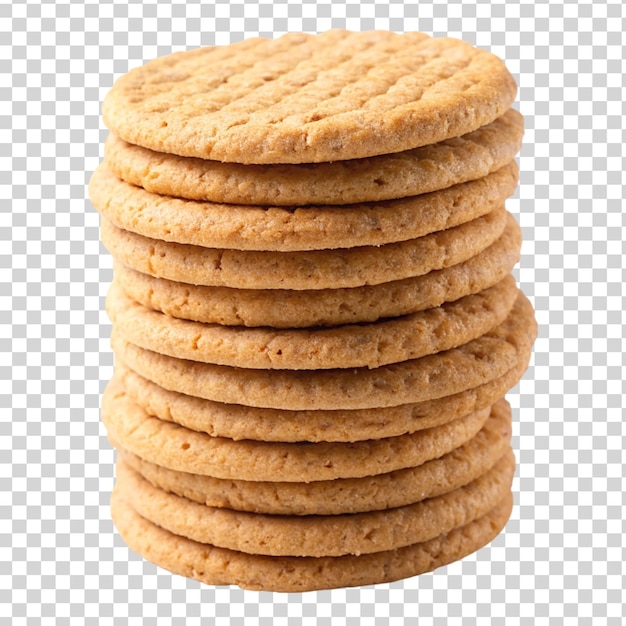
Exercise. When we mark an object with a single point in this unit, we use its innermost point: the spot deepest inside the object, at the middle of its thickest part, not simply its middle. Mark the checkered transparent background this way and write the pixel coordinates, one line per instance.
(560, 560)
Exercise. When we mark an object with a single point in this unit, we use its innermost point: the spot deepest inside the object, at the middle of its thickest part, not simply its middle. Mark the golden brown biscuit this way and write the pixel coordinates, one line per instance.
(309, 98)
(235, 421)
(355, 345)
(314, 269)
(294, 229)
(219, 566)
(318, 535)
(411, 173)
(181, 449)
(346, 495)
(417, 380)
(280, 308)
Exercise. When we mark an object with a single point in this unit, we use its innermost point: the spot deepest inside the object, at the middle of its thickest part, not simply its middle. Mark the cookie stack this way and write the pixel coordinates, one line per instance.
(314, 318)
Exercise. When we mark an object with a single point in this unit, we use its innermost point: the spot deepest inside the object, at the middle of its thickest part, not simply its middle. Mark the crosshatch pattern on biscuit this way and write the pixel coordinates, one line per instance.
(559, 559)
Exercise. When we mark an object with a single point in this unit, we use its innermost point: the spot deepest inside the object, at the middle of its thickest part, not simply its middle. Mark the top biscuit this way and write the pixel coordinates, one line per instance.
(309, 98)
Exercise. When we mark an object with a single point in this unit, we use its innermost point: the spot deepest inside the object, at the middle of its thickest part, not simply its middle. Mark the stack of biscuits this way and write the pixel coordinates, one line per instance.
(314, 317)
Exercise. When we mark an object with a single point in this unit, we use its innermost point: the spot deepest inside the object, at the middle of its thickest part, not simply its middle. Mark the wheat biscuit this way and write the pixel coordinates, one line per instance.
(219, 566)
(348, 495)
(411, 173)
(399, 175)
(235, 421)
(318, 535)
(306, 98)
(357, 345)
(315, 269)
(280, 308)
(290, 229)
(428, 378)
(178, 448)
